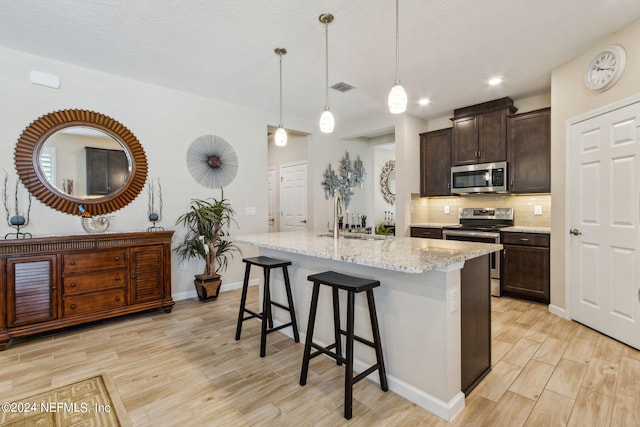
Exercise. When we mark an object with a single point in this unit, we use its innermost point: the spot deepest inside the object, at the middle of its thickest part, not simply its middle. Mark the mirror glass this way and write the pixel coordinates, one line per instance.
(391, 182)
(84, 162)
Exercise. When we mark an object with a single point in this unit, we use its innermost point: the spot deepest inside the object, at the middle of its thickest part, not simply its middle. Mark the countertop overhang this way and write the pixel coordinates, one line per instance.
(403, 254)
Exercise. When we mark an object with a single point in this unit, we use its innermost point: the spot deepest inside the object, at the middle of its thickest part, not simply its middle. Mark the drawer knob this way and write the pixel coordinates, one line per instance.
(72, 263)
(73, 306)
(133, 276)
(117, 298)
(73, 285)
(117, 278)
(117, 258)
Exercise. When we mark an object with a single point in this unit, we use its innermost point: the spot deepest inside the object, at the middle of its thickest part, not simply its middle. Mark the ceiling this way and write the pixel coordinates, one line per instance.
(224, 49)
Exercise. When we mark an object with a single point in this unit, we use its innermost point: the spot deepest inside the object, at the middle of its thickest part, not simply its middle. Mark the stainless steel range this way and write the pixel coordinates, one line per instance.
(482, 225)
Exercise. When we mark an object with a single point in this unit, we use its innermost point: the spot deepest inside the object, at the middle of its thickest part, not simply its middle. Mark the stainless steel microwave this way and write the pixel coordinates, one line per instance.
(479, 178)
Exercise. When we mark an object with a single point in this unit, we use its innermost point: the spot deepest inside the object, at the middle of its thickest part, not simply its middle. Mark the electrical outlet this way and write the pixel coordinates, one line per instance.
(182, 266)
(446, 209)
(249, 210)
(537, 210)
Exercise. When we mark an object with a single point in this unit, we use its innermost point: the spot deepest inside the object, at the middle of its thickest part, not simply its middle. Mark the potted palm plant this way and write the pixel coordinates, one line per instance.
(207, 223)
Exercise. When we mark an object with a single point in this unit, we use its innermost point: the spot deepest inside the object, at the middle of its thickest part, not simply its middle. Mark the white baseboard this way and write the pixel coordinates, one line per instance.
(224, 288)
(559, 311)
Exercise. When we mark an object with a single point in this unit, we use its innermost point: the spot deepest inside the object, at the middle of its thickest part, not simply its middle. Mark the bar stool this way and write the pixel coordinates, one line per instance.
(352, 285)
(267, 264)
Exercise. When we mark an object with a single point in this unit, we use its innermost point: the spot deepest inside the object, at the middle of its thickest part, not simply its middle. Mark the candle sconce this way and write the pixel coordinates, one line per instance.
(154, 214)
(18, 220)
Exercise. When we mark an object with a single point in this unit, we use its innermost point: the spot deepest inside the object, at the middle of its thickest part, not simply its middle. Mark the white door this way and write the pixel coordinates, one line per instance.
(273, 207)
(604, 236)
(293, 196)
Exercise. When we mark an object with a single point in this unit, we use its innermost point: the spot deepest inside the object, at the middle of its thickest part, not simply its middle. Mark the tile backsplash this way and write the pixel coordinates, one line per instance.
(432, 209)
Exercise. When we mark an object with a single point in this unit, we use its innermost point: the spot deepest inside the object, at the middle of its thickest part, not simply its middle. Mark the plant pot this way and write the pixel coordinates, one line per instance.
(207, 286)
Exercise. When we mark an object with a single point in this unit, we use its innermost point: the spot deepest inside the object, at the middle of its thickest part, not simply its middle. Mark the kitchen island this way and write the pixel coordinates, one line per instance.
(425, 286)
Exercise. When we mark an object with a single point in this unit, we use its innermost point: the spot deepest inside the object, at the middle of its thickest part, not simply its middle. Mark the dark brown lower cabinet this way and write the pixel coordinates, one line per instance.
(475, 317)
(525, 266)
(427, 232)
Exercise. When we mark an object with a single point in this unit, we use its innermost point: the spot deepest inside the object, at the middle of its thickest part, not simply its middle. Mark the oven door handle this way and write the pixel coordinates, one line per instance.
(485, 234)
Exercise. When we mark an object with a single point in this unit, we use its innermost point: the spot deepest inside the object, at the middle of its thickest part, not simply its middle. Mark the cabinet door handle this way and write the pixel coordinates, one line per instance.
(73, 306)
(72, 263)
(133, 276)
(524, 239)
(73, 285)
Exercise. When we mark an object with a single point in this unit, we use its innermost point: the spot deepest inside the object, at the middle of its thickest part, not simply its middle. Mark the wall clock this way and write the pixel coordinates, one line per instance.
(606, 68)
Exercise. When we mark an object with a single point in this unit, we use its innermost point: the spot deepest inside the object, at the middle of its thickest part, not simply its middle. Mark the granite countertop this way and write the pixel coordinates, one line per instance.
(527, 229)
(403, 254)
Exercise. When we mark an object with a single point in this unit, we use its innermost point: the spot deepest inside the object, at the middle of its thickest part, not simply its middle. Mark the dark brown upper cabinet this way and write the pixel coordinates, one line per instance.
(435, 163)
(529, 148)
(480, 132)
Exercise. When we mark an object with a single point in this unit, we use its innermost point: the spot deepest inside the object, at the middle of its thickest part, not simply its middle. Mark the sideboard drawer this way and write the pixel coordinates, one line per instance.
(94, 282)
(95, 302)
(83, 261)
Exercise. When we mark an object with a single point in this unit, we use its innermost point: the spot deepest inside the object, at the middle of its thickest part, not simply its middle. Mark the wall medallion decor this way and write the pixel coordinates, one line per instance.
(350, 174)
(388, 182)
(104, 179)
(212, 161)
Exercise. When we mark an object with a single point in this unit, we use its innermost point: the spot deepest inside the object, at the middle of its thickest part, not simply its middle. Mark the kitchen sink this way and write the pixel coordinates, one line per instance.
(358, 236)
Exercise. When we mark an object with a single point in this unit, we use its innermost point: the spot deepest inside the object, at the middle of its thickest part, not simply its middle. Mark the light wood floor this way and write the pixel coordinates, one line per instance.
(185, 368)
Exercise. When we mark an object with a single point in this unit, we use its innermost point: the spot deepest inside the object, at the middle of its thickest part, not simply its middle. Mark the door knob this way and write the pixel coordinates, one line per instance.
(304, 221)
(575, 232)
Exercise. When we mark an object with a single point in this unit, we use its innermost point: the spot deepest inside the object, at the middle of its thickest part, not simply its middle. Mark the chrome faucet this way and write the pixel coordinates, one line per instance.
(337, 210)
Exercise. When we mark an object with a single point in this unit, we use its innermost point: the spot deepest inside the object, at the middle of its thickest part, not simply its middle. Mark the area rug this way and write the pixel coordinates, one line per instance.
(90, 402)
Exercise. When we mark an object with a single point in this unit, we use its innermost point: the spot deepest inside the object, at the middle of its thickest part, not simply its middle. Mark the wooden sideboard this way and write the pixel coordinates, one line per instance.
(54, 282)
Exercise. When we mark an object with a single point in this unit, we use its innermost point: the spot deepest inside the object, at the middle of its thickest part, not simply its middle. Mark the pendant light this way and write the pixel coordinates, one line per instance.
(327, 121)
(280, 137)
(397, 96)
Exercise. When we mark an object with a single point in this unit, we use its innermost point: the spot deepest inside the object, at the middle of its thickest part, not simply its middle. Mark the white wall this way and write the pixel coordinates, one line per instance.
(570, 98)
(165, 122)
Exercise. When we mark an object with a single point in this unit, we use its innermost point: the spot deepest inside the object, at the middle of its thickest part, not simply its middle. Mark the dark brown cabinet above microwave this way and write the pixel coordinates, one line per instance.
(480, 132)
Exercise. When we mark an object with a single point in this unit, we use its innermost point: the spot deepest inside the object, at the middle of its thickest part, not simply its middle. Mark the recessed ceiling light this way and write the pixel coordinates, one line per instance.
(424, 101)
(495, 81)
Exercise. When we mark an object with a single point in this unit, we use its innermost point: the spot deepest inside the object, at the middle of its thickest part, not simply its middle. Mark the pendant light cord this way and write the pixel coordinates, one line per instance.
(326, 62)
(397, 43)
(280, 54)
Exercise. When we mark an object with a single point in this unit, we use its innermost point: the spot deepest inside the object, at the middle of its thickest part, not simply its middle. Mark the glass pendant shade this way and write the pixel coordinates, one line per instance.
(327, 122)
(397, 99)
(280, 137)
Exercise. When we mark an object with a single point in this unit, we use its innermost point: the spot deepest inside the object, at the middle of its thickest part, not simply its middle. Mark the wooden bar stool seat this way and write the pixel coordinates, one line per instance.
(267, 264)
(352, 285)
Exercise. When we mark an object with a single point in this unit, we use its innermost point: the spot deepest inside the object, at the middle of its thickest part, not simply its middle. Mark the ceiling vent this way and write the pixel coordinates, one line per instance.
(342, 87)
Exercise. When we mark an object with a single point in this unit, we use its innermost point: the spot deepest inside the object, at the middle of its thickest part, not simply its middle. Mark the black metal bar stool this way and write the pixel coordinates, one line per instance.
(267, 264)
(352, 285)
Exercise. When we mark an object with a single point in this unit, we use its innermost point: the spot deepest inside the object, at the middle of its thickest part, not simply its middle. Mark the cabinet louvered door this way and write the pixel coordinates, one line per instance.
(147, 274)
(31, 290)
